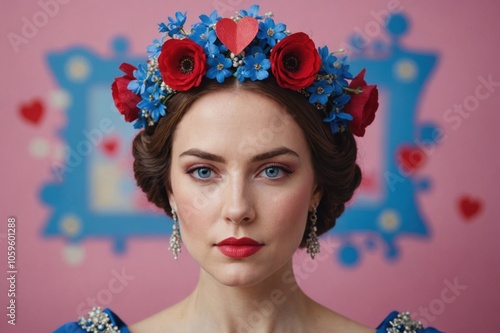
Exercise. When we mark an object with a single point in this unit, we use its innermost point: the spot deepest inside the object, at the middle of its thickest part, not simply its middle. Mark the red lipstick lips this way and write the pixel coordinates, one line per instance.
(239, 248)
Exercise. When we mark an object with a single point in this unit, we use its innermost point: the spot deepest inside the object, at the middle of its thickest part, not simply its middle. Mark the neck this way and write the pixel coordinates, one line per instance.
(273, 305)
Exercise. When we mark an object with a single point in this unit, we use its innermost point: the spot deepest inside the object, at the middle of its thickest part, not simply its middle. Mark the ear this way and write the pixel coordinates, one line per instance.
(171, 200)
(316, 196)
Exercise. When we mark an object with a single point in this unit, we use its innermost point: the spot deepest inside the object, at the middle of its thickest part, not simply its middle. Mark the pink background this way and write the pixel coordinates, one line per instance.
(50, 291)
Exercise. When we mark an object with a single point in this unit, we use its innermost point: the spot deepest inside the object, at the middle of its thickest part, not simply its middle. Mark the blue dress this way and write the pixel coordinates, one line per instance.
(105, 321)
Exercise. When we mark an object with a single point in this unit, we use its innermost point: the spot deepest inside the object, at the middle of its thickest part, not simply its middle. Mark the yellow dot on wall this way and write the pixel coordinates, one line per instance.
(389, 220)
(70, 225)
(78, 68)
(406, 70)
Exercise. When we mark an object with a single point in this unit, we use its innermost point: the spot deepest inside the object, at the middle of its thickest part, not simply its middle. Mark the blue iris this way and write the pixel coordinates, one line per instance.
(272, 172)
(219, 68)
(320, 92)
(271, 32)
(256, 67)
(203, 173)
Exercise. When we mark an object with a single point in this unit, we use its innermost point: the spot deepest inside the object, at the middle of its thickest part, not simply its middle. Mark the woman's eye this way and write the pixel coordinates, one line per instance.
(274, 172)
(202, 173)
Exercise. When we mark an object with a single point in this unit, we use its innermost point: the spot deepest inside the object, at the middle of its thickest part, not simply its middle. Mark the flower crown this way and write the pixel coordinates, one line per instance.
(246, 46)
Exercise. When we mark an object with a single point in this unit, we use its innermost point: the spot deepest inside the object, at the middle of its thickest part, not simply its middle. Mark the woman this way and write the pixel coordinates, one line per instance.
(248, 145)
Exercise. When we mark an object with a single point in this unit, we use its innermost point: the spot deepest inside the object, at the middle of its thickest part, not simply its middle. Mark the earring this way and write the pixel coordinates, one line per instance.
(312, 242)
(175, 237)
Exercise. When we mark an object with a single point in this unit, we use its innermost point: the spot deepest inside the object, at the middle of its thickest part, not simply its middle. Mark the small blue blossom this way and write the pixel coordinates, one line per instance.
(210, 21)
(203, 35)
(155, 48)
(320, 91)
(337, 119)
(212, 50)
(327, 60)
(271, 32)
(341, 101)
(256, 67)
(174, 26)
(155, 107)
(253, 11)
(219, 68)
(138, 86)
(140, 123)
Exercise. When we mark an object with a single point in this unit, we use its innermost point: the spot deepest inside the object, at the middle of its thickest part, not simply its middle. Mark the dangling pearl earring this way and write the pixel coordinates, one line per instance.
(175, 237)
(312, 242)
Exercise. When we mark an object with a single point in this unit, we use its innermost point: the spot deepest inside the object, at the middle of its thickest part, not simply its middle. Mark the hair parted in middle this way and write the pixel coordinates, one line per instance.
(333, 155)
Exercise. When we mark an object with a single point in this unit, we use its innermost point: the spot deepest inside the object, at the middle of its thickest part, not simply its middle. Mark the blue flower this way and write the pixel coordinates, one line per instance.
(256, 67)
(271, 32)
(253, 11)
(341, 101)
(327, 60)
(138, 86)
(219, 68)
(209, 22)
(155, 48)
(140, 123)
(174, 26)
(155, 107)
(337, 120)
(320, 91)
(203, 35)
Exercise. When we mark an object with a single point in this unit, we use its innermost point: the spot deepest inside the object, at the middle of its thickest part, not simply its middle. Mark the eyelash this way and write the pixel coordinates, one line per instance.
(286, 170)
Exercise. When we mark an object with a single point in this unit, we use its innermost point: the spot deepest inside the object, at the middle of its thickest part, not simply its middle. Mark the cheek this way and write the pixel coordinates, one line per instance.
(290, 212)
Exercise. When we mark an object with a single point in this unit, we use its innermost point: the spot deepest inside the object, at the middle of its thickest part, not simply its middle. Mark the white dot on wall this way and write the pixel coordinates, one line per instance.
(405, 70)
(389, 220)
(78, 68)
(70, 225)
(73, 254)
(39, 147)
(59, 99)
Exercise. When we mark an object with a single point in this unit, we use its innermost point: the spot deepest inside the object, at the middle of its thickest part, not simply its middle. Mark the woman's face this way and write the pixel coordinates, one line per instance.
(241, 168)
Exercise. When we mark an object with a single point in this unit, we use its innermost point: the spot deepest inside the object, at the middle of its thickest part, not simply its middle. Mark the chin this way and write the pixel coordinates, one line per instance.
(239, 274)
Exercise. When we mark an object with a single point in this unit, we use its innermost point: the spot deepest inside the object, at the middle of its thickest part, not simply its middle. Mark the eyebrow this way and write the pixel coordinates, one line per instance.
(260, 157)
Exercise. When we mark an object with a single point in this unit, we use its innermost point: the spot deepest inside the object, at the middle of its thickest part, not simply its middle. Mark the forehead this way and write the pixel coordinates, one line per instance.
(238, 122)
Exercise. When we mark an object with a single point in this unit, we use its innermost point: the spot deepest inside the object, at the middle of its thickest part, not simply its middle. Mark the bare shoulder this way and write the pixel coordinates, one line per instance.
(167, 319)
(330, 321)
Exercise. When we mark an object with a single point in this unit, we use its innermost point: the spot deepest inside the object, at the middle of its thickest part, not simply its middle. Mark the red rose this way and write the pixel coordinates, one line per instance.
(362, 106)
(125, 100)
(295, 61)
(182, 63)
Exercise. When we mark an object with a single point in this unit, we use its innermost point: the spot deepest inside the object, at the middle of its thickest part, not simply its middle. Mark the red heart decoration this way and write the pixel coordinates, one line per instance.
(411, 158)
(32, 112)
(110, 146)
(237, 35)
(469, 207)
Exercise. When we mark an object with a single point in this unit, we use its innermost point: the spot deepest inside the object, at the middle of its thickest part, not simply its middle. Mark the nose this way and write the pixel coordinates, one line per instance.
(238, 204)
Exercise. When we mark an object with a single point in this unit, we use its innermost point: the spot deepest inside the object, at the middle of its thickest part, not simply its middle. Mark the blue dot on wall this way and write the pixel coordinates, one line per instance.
(349, 255)
(397, 25)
